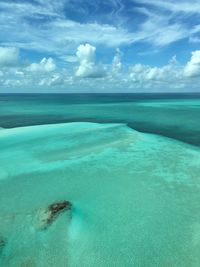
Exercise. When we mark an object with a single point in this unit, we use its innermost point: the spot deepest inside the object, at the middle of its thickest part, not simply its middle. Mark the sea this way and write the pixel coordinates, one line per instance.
(172, 115)
(128, 164)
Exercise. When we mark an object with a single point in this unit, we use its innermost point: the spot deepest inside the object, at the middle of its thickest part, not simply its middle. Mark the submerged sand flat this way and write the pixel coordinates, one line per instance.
(135, 197)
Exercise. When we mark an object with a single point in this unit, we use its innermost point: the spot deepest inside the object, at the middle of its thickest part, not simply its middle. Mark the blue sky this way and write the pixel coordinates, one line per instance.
(99, 46)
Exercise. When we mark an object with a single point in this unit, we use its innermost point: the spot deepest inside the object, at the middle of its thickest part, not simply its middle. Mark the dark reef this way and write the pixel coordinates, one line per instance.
(54, 210)
(2, 244)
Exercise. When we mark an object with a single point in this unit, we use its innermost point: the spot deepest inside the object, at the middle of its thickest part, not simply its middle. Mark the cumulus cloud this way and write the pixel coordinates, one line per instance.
(168, 77)
(9, 56)
(46, 65)
(141, 72)
(171, 77)
(192, 68)
(116, 63)
(55, 80)
(88, 68)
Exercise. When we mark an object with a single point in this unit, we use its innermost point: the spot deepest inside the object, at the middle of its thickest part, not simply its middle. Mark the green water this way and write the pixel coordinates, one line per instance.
(135, 196)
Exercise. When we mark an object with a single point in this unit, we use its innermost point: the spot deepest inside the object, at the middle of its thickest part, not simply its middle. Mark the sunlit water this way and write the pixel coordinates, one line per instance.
(135, 196)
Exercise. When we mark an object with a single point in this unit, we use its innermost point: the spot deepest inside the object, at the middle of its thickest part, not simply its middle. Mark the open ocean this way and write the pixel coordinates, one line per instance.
(127, 165)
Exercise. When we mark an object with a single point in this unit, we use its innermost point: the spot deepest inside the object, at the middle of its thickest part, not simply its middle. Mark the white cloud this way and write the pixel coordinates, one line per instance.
(186, 6)
(9, 56)
(88, 68)
(55, 80)
(45, 64)
(158, 78)
(59, 35)
(19, 73)
(158, 30)
(192, 68)
(109, 35)
(116, 63)
(69, 58)
(86, 53)
(171, 77)
(141, 73)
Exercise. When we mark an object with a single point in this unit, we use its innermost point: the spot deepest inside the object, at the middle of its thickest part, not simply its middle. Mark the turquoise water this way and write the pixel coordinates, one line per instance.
(175, 116)
(135, 196)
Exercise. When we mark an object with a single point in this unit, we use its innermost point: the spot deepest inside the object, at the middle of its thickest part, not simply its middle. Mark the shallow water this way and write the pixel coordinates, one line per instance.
(135, 197)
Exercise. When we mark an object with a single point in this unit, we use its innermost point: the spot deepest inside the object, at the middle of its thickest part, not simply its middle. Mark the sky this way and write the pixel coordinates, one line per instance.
(63, 46)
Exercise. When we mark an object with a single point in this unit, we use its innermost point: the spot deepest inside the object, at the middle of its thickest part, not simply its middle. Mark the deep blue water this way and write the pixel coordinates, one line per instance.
(172, 115)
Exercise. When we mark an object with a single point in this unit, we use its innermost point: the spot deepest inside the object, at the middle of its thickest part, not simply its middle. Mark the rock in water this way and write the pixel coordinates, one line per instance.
(2, 244)
(53, 210)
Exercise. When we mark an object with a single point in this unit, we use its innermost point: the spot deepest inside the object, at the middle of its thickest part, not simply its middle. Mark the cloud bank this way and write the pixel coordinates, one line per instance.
(87, 74)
